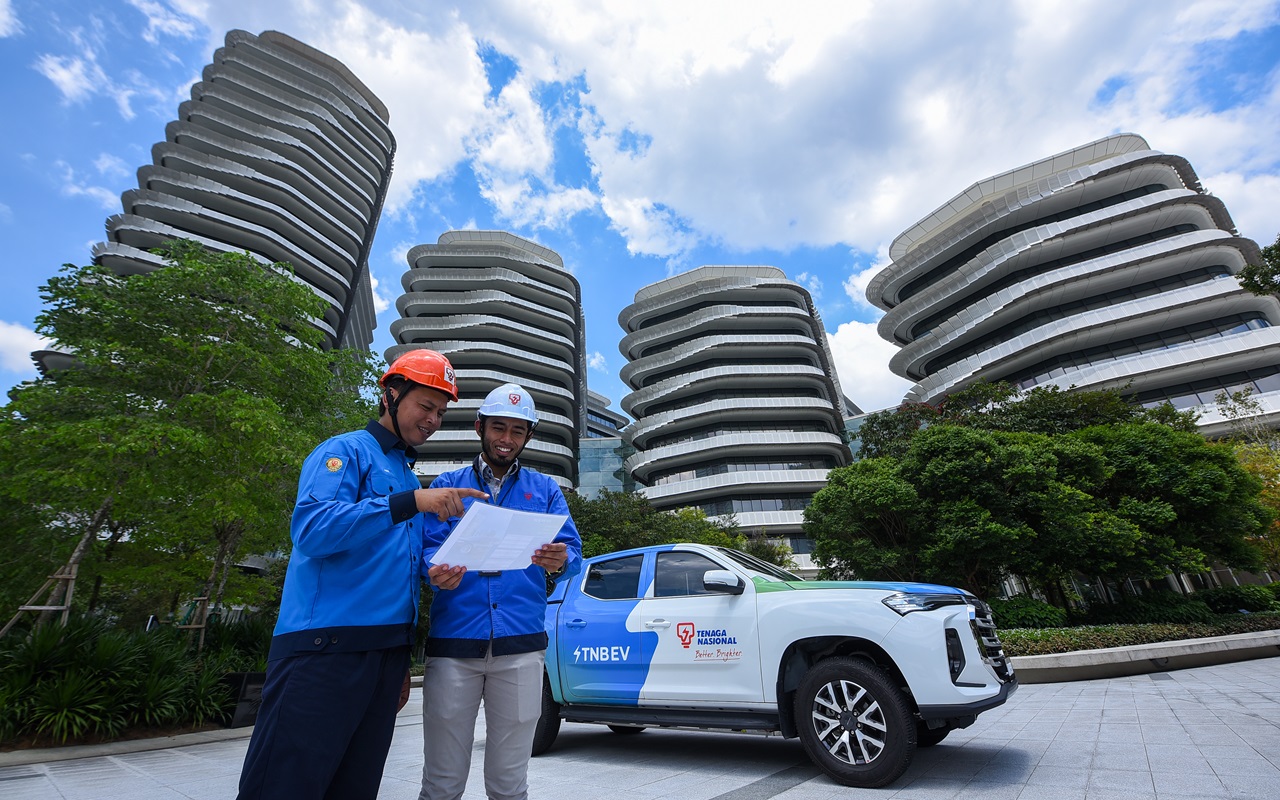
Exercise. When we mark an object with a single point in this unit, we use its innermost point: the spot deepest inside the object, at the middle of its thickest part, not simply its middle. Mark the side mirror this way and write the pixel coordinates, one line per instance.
(722, 581)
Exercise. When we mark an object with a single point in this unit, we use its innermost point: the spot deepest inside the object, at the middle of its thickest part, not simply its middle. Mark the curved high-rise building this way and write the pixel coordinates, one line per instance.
(1107, 266)
(503, 309)
(735, 398)
(281, 151)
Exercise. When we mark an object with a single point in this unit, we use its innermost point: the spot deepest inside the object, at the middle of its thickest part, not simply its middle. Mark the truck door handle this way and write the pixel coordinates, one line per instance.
(657, 623)
(576, 623)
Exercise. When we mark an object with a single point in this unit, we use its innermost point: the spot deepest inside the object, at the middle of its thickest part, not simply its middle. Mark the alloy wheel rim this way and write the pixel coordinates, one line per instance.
(849, 722)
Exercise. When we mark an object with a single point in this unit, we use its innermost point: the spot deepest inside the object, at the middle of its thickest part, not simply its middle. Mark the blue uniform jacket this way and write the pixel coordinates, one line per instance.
(507, 609)
(354, 577)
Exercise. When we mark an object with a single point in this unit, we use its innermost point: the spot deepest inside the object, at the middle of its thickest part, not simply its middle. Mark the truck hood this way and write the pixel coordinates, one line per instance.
(883, 586)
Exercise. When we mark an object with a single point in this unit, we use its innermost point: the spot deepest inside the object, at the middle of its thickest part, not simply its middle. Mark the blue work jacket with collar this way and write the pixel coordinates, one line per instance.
(354, 577)
(506, 610)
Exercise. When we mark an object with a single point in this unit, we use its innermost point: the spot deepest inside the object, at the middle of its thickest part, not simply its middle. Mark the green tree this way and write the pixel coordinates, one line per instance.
(1039, 484)
(1263, 463)
(1004, 407)
(1263, 278)
(966, 506)
(198, 390)
(1257, 448)
(1192, 501)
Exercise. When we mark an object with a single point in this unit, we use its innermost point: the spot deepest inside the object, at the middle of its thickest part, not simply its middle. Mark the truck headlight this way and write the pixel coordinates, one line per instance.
(906, 602)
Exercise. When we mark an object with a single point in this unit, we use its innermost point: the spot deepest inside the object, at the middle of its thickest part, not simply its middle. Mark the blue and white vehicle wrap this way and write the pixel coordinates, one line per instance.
(641, 628)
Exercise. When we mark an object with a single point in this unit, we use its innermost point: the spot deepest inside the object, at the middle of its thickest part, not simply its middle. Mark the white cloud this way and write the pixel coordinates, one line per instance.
(855, 286)
(73, 186)
(646, 228)
(776, 126)
(17, 342)
(9, 23)
(597, 361)
(111, 166)
(811, 282)
(162, 21)
(381, 302)
(862, 359)
(752, 124)
(6, 214)
(76, 78)
(1251, 202)
(426, 71)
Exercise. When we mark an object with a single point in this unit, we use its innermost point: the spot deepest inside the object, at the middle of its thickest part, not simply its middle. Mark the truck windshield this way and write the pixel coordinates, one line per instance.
(758, 567)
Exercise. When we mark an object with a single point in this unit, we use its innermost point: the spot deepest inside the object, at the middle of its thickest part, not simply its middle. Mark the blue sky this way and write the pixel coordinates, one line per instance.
(640, 140)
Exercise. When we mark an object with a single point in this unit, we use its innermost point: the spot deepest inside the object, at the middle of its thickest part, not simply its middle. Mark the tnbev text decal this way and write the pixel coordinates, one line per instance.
(602, 653)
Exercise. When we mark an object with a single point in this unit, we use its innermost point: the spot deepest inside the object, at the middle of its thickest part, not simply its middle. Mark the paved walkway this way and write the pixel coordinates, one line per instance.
(1208, 732)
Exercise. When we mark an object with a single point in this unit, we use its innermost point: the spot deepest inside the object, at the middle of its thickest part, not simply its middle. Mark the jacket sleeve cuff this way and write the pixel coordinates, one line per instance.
(402, 506)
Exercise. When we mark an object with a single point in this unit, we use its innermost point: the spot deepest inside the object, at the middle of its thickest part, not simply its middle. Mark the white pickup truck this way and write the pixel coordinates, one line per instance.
(697, 637)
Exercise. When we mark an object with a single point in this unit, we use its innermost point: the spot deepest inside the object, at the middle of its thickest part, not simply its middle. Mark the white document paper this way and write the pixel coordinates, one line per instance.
(493, 538)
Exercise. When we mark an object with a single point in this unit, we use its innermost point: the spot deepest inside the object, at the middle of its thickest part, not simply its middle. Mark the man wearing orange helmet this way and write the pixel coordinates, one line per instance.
(349, 609)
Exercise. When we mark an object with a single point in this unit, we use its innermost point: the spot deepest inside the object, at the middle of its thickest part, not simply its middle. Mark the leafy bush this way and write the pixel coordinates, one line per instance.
(1275, 590)
(1152, 608)
(1235, 599)
(88, 681)
(1025, 611)
(241, 646)
(1034, 642)
(68, 707)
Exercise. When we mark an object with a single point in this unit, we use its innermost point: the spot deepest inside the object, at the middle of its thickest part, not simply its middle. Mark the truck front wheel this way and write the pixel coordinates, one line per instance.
(854, 723)
(549, 723)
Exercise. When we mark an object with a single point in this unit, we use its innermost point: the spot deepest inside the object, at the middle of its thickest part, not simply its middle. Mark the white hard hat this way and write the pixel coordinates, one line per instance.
(509, 400)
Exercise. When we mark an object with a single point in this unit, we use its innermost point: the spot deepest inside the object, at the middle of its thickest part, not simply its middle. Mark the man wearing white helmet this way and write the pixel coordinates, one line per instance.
(487, 637)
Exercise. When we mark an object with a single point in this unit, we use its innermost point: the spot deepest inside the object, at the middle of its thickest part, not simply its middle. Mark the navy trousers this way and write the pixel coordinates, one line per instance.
(325, 726)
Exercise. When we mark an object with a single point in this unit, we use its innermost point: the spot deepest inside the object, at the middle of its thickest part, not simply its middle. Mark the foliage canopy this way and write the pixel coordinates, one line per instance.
(175, 441)
(1040, 485)
(1263, 278)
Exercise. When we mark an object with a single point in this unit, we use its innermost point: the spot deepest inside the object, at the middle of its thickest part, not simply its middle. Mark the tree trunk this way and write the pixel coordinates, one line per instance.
(228, 535)
(59, 590)
(117, 533)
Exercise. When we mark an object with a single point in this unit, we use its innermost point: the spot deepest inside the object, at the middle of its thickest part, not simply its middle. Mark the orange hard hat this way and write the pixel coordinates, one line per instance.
(425, 367)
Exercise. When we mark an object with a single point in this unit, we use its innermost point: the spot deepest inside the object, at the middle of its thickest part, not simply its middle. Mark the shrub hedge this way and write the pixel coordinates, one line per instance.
(1025, 611)
(1152, 608)
(88, 681)
(1236, 599)
(1042, 641)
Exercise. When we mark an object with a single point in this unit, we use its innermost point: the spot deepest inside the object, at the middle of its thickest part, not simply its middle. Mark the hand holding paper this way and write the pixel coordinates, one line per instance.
(492, 538)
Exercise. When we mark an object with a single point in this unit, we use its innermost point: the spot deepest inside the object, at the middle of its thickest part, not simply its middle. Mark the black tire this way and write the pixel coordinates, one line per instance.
(854, 723)
(549, 723)
(626, 730)
(928, 737)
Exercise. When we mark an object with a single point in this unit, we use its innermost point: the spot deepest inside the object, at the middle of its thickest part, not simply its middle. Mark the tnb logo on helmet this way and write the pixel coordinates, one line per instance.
(514, 398)
(449, 376)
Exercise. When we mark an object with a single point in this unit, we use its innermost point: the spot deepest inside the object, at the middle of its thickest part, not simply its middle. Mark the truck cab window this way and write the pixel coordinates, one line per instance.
(679, 574)
(618, 579)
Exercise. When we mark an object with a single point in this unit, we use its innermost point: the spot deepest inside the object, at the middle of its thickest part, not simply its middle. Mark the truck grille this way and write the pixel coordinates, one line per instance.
(984, 631)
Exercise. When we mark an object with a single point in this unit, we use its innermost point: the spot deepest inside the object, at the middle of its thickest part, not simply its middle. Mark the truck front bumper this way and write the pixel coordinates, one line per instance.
(972, 709)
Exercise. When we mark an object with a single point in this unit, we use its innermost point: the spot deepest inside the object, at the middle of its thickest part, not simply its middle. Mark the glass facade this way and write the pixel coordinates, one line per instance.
(600, 466)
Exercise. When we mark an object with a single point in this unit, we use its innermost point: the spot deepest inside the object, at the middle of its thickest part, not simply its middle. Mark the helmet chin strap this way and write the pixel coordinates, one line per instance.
(393, 406)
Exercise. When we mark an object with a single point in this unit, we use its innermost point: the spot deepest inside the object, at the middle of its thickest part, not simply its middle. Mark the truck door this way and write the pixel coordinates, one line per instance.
(600, 640)
(707, 645)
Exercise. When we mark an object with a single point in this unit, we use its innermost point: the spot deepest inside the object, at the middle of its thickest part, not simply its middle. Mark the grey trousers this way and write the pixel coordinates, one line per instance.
(452, 688)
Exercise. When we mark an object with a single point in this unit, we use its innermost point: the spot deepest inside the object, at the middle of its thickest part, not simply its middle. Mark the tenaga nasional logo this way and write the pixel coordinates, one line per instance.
(688, 635)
